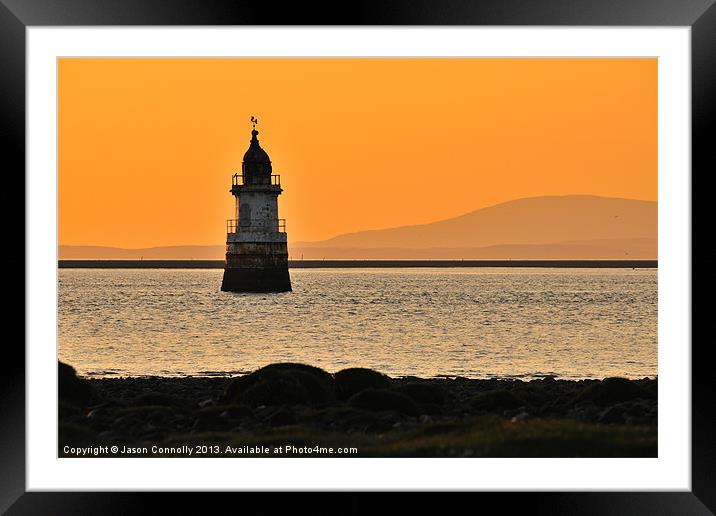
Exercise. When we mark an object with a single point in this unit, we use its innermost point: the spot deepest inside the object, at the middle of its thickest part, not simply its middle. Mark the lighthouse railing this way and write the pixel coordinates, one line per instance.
(234, 226)
(238, 180)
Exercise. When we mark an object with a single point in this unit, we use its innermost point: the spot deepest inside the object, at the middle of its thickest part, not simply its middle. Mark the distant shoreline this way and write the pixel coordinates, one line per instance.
(353, 264)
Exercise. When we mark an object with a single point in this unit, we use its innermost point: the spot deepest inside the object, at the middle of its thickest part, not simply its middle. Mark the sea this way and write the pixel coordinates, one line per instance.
(522, 323)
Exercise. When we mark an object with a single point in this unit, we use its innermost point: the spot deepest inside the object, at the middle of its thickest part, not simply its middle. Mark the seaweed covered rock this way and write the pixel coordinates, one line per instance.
(282, 384)
(356, 379)
(613, 390)
(496, 401)
(71, 388)
(384, 399)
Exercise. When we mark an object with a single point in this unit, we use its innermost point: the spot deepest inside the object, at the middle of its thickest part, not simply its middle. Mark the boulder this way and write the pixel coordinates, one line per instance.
(356, 379)
(613, 390)
(651, 386)
(423, 393)
(282, 384)
(71, 388)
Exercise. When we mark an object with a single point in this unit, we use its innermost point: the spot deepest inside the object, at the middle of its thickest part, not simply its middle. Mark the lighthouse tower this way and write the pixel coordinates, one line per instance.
(256, 250)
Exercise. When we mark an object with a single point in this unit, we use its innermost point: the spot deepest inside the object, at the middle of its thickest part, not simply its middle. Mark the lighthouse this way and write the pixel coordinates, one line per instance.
(256, 248)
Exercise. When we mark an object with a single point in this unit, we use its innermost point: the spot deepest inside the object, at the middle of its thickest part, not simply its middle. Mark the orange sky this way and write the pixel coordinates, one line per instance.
(147, 147)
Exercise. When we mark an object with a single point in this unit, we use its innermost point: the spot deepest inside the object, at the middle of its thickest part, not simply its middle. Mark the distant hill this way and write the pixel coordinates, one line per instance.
(535, 220)
(567, 227)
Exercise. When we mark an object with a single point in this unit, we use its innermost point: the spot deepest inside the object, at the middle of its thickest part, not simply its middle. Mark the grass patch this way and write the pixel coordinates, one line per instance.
(484, 436)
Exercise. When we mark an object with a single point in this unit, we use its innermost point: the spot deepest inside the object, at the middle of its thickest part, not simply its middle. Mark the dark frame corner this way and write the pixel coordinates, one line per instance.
(16, 15)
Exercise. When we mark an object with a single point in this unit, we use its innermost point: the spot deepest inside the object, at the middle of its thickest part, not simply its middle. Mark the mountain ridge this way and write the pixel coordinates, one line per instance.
(483, 208)
(530, 220)
(553, 227)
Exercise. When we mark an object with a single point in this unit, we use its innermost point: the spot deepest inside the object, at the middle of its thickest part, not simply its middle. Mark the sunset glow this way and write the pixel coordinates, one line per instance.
(147, 147)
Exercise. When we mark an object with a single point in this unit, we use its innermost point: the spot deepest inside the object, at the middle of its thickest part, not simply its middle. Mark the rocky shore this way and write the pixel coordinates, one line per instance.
(299, 410)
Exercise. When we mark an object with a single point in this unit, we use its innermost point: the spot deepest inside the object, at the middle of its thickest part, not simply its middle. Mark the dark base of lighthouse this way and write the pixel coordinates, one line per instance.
(256, 267)
(256, 280)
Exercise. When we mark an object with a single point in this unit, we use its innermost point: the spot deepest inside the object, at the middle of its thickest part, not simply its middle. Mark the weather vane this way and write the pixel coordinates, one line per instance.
(254, 121)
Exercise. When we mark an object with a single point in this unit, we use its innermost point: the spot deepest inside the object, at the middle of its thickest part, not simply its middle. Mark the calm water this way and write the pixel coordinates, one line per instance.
(481, 322)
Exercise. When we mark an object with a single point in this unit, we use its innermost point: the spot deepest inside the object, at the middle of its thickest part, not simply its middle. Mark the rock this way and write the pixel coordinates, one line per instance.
(538, 392)
(156, 414)
(651, 387)
(584, 411)
(637, 408)
(126, 421)
(423, 393)
(224, 412)
(613, 414)
(157, 398)
(70, 388)
(211, 421)
(519, 417)
(282, 384)
(342, 417)
(384, 399)
(281, 417)
(99, 413)
(66, 409)
(367, 414)
(495, 401)
(356, 379)
(612, 390)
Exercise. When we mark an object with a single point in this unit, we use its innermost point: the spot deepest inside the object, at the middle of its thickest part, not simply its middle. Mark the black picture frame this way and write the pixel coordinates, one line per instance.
(16, 15)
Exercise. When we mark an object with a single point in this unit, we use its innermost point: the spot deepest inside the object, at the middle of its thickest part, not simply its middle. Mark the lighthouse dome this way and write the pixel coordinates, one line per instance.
(257, 165)
(255, 152)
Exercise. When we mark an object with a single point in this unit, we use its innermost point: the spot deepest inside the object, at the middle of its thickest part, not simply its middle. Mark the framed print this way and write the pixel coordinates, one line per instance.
(420, 248)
